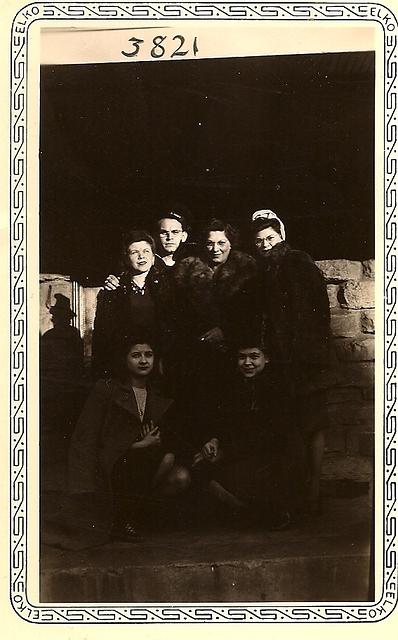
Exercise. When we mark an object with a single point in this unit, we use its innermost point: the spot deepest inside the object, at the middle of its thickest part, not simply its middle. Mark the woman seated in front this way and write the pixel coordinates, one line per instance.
(122, 451)
(252, 456)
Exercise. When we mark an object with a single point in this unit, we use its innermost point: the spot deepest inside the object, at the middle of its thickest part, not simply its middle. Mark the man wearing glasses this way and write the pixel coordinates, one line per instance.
(170, 234)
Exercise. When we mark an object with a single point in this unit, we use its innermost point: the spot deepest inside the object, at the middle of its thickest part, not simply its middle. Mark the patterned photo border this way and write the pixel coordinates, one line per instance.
(19, 414)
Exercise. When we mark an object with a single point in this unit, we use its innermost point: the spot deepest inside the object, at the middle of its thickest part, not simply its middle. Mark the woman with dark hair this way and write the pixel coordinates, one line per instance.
(141, 302)
(292, 300)
(207, 287)
(252, 454)
(121, 454)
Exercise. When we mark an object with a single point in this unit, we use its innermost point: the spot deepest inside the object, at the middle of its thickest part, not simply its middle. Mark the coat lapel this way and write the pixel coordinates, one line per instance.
(125, 398)
(156, 406)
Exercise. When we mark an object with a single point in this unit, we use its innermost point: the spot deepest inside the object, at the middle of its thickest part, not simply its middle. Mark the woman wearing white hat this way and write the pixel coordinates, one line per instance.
(295, 308)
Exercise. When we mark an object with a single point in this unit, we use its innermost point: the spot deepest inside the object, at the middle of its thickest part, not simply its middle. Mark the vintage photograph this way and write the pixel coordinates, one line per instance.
(207, 323)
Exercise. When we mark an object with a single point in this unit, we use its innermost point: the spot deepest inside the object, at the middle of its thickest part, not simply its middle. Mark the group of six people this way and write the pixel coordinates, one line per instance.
(209, 376)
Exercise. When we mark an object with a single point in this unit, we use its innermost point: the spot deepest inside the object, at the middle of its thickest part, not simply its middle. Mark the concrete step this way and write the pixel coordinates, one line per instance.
(324, 559)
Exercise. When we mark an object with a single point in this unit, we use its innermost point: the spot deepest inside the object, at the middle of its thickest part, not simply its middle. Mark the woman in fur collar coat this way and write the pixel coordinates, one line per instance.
(207, 289)
(293, 302)
(208, 284)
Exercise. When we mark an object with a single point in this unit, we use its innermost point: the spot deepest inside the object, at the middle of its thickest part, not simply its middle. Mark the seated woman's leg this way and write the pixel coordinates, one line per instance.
(175, 481)
(132, 487)
(127, 505)
(166, 465)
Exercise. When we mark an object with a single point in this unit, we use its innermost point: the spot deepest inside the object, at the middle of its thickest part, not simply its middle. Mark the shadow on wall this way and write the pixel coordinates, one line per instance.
(62, 389)
(61, 348)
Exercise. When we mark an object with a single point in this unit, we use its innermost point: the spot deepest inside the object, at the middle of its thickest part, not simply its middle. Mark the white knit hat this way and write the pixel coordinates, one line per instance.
(267, 214)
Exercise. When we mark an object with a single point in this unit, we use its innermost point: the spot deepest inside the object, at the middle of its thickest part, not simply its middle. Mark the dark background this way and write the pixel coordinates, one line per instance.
(122, 141)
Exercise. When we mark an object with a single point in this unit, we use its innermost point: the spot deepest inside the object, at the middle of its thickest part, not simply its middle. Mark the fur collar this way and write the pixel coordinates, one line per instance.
(276, 254)
(228, 278)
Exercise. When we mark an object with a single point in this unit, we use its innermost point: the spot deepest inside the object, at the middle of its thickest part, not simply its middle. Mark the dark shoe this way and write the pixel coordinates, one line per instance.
(126, 532)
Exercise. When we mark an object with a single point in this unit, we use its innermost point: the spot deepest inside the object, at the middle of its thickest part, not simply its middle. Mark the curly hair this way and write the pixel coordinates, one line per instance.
(122, 349)
(260, 224)
(216, 224)
(135, 235)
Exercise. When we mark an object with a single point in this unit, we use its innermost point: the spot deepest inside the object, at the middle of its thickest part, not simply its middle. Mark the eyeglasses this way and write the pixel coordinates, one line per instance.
(173, 232)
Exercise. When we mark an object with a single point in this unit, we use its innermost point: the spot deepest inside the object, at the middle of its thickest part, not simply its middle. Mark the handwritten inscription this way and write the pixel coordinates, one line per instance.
(163, 46)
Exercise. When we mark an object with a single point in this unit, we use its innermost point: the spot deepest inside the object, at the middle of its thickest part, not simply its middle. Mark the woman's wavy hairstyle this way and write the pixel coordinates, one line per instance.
(260, 224)
(123, 347)
(215, 224)
(135, 235)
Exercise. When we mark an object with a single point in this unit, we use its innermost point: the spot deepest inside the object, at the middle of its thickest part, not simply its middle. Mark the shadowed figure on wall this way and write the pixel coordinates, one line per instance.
(62, 389)
(61, 348)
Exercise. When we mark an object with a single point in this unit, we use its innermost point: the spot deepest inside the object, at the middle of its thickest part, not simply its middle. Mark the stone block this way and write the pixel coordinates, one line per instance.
(365, 417)
(368, 267)
(340, 270)
(355, 374)
(368, 393)
(368, 321)
(346, 467)
(366, 443)
(352, 442)
(335, 441)
(357, 295)
(348, 394)
(348, 414)
(355, 350)
(344, 323)
(360, 443)
(332, 290)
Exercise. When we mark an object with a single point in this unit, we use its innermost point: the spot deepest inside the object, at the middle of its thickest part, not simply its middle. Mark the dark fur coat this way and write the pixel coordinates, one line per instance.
(206, 297)
(292, 299)
(262, 451)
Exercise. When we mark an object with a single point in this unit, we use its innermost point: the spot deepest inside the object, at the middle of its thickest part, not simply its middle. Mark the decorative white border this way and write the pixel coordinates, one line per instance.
(270, 11)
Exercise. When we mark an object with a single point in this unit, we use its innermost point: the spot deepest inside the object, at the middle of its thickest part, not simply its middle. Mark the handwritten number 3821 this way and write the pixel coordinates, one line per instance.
(158, 50)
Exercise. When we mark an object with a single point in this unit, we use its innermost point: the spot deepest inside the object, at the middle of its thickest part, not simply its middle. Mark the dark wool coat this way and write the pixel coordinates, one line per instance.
(293, 300)
(114, 319)
(206, 297)
(108, 426)
(262, 451)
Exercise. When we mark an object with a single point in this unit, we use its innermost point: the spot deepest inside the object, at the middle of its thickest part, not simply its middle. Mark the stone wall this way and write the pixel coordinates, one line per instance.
(351, 290)
(350, 286)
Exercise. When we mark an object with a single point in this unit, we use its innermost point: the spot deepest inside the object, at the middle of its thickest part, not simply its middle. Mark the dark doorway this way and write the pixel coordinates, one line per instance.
(225, 137)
